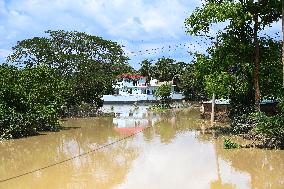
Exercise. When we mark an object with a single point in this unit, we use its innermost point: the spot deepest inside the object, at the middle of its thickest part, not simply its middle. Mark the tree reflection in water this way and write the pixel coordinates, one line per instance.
(173, 153)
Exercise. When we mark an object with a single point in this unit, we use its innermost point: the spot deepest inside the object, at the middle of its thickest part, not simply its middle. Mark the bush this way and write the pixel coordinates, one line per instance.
(271, 128)
(228, 144)
(243, 124)
(164, 93)
(30, 100)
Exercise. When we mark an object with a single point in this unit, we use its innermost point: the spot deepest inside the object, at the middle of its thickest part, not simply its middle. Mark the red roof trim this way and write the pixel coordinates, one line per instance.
(130, 76)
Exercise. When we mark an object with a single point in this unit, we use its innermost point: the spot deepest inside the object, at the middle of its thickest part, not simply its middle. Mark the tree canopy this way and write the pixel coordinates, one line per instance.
(84, 61)
(46, 76)
(237, 56)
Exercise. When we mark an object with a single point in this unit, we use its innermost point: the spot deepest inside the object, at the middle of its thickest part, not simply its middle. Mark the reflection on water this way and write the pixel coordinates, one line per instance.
(173, 153)
(127, 116)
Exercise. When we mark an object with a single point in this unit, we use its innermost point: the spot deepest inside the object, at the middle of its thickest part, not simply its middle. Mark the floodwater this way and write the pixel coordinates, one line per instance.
(172, 153)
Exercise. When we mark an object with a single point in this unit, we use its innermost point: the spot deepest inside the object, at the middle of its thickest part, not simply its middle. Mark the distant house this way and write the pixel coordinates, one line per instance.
(133, 88)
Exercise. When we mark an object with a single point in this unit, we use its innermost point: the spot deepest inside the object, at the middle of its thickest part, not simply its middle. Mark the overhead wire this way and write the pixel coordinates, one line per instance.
(73, 157)
(176, 46)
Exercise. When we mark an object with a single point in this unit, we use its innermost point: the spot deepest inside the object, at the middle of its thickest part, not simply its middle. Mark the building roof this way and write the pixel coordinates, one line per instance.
(130, 76)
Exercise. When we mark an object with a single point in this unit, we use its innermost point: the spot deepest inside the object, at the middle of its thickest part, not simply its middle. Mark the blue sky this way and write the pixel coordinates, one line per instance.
(136, 24)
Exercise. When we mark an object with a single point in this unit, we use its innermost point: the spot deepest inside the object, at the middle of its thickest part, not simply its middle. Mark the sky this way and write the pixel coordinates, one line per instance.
(138, 25)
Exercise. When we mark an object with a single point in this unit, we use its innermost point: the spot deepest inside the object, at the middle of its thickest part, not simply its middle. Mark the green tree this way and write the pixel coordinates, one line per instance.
(89, 64)
(270, 68)
(164, 69)
(63, 69)
(167, 69)
(164, 93)
(192, 80)
(243, 28)
(146, 69)
(30, 100)
(283, 41)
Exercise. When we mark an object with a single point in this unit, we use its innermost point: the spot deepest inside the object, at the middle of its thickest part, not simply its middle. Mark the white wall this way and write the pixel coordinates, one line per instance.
(124, 98)
(134, 98)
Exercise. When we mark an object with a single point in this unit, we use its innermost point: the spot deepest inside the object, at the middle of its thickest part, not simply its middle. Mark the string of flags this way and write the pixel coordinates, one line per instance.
(168, 48)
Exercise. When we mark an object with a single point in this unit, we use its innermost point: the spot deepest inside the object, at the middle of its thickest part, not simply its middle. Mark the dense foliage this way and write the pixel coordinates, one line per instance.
(271, 128)
(85, 62)
(242, 64)
(238, 46)
(164, 93)
(164, 69)
(30, 100)
(52, 75)
(192, 81)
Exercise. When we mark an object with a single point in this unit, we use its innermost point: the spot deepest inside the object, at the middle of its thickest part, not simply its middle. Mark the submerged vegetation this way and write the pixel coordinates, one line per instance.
(228, 144)
(160, 107)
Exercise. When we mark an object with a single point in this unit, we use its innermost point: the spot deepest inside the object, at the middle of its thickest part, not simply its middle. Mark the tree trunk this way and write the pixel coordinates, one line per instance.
(283, 39)
(256, 62)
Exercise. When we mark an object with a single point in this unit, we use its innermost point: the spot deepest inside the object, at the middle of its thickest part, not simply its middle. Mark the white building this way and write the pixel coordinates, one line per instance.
(133, 88)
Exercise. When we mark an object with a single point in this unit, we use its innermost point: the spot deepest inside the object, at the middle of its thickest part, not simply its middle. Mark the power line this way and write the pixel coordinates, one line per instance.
(72, 158)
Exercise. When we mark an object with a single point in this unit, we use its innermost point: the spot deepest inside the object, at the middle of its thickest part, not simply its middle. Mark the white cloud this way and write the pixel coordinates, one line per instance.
(116, 18)
(136, 23)
(156, 21)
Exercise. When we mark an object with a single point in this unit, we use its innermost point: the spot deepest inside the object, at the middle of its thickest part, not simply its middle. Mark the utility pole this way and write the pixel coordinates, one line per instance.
(214, 96)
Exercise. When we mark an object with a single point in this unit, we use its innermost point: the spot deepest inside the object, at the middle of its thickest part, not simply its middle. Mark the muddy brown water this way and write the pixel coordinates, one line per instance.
(172, 153)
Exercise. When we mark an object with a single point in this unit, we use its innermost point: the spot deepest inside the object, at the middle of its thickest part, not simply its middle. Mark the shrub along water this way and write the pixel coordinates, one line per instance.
(30, 100)
(228, 144)
(270, 128)
(164, 93)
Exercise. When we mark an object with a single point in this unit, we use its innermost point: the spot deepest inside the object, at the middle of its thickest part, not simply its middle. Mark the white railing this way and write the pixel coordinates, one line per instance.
(137, 97)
